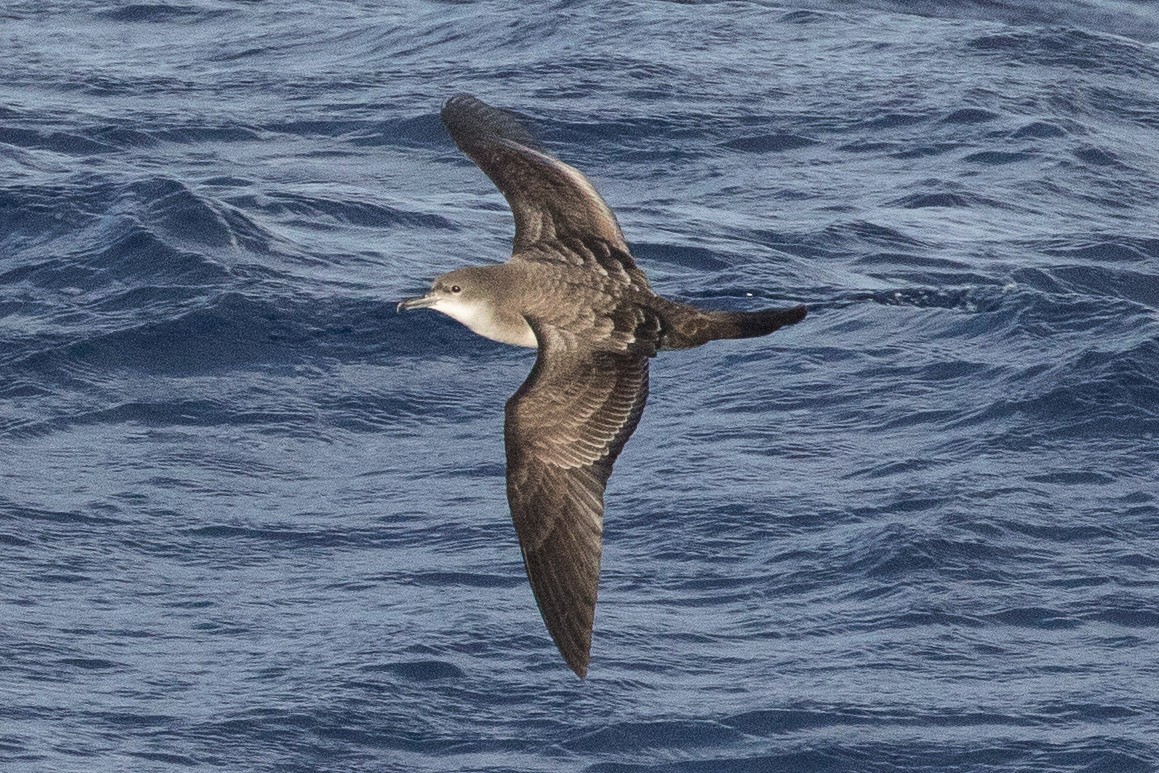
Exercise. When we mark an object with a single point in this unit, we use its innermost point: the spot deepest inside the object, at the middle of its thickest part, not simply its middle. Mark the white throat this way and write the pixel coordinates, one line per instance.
(480, 318)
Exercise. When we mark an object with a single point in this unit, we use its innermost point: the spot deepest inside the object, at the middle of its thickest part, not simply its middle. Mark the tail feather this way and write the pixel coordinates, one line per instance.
(689, 327)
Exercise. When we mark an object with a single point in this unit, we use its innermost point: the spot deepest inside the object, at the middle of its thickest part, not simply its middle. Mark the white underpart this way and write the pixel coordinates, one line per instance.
(480, 319)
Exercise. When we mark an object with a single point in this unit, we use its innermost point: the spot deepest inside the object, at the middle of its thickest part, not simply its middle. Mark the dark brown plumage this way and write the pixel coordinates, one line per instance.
(572, 290)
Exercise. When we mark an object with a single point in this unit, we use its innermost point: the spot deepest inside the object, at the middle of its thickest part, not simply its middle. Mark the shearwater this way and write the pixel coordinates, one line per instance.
(572, 290)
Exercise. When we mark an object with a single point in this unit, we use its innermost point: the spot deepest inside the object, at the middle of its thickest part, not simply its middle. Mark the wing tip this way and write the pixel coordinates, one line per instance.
(459, 106)
(471, 121)
(460, 98)
(577, 662)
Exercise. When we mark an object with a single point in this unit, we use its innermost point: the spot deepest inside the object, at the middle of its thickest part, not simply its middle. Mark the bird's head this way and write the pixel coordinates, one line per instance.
(454, 294)
(469, 295)
(481, 298)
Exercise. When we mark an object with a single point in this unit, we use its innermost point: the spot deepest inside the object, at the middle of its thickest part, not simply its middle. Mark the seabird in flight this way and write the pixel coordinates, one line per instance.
(572, 290)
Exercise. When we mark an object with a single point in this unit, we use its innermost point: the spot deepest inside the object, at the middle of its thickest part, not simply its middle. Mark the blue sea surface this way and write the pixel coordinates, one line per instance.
(251, 519)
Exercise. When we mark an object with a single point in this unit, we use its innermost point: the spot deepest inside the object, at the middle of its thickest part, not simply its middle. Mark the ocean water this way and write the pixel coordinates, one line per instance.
(251, 519)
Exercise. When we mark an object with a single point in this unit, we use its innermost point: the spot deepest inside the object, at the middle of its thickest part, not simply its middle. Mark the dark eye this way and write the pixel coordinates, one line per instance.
(456, 289)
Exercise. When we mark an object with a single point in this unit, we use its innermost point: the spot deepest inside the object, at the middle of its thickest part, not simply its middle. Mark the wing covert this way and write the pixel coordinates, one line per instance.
(549, 199)
(565, 426)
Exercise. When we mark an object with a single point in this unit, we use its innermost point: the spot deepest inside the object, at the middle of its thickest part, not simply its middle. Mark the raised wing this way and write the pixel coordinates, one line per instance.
(551, 201)
(565, 427)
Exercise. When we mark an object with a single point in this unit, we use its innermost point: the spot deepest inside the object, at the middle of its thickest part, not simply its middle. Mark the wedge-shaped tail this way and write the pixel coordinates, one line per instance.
(687, 327)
